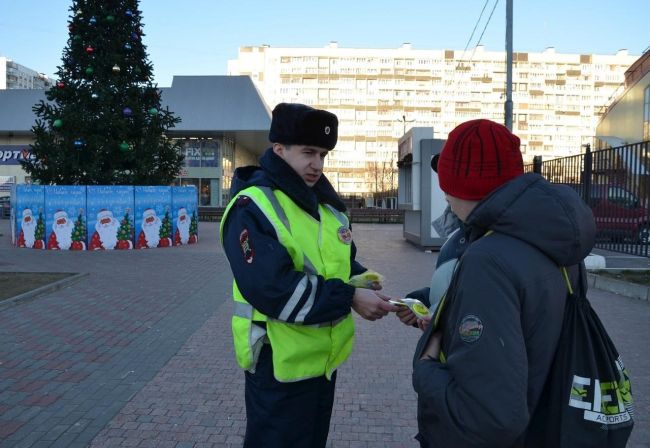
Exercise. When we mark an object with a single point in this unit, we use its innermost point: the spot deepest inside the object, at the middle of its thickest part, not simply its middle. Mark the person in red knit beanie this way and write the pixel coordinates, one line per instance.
(481, 365)
(479, 156)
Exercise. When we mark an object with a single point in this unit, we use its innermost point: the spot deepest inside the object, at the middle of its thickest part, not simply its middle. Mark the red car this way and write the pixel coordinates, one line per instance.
(618, 212)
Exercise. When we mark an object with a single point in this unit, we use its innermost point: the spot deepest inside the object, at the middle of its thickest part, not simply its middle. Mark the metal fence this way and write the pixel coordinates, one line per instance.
(615, 182)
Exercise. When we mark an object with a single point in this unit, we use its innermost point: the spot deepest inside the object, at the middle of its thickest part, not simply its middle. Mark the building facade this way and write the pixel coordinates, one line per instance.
(224, 124)
(378, 94)
(16, 76)
(627, 119)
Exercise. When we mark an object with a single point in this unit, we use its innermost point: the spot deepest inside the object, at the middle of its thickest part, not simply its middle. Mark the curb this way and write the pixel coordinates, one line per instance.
(619, 287)
(55, 286)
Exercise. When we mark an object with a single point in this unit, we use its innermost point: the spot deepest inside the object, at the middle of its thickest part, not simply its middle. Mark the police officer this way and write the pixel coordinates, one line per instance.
(291, 252)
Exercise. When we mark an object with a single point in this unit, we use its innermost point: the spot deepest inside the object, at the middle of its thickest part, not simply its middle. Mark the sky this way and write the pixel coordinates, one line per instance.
(198, 37)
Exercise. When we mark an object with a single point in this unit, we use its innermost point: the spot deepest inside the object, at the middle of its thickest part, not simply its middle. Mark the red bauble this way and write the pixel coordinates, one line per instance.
(90, 50)
(60, 84)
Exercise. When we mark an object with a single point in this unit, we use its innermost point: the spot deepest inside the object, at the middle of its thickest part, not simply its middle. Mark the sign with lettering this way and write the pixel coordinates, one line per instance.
(13, 154)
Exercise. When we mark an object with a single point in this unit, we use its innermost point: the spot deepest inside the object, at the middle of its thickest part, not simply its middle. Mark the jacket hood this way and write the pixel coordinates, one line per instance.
(275, 173)
(551, 217)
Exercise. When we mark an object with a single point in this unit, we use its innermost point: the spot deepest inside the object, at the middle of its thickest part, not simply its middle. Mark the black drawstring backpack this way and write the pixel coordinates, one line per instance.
(587, 399)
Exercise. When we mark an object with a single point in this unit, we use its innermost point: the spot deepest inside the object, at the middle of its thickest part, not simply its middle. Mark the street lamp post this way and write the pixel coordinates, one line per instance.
(404, 121)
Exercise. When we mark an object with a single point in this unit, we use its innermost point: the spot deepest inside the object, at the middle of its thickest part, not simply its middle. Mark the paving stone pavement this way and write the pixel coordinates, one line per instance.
(138, 352)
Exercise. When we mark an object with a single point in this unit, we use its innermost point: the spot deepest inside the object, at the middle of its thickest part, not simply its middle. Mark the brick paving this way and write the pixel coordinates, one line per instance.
(138, 353)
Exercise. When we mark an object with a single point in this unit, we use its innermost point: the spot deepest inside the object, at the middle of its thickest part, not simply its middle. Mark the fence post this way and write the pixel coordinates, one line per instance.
(537, 164)
(587, 172)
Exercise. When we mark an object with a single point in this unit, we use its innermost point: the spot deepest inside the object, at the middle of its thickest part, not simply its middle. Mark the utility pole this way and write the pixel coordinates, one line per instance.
(508, 105)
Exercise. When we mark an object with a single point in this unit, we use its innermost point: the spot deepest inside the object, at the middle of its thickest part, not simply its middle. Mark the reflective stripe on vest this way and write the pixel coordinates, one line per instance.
(299, 351)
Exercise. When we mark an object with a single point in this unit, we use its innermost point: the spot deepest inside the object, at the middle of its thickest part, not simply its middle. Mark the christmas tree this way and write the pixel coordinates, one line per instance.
(194, 231)
(103, 122)
(79, 233)
(165, 231)
(39, 233)
(125, 232)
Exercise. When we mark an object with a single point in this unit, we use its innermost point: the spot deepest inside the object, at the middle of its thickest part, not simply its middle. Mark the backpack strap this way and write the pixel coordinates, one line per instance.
(565, 274)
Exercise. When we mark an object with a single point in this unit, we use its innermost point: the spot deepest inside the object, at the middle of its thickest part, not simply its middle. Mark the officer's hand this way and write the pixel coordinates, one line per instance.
(407, 316)
(371, 305)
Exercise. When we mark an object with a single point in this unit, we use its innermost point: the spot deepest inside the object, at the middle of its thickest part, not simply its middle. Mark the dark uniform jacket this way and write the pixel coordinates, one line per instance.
(502, 316)
(269, 279)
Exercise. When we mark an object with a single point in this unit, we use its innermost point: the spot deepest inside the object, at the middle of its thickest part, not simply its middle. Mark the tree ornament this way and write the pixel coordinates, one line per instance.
(110, 18)
(129, 13)
(89, 50)
(134, 36)
(92, 21)
(94, 96)
(127, 112)
(78, 13)
(127, 46)
(137, 70)
(57, 123)
(124, 146)
(89, 71)
(79, 143)
(71, 27)
(60, 84)
(76, 37)
(116, 69)
(153, 111)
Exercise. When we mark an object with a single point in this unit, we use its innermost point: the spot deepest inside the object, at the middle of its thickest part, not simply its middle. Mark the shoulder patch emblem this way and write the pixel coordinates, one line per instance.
(345, 235)
(470, 328)
(246, 247)
(242, 201)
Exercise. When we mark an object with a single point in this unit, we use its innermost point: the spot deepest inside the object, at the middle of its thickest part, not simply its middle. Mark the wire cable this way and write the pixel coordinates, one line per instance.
(474, 30)
(484, 28)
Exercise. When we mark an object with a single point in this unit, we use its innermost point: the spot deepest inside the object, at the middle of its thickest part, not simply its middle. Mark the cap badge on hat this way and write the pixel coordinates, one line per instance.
(327, 130)
(345, 235)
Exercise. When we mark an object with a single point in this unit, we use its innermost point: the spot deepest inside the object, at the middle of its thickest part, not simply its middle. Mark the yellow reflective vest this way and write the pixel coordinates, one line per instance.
(299, 351)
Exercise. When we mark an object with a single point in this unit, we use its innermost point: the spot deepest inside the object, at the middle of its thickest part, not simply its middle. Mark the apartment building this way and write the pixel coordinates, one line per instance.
(378, 94)
(16, 76)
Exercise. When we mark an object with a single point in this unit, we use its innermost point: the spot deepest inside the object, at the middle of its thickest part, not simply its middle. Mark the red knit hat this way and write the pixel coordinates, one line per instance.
(478, 157)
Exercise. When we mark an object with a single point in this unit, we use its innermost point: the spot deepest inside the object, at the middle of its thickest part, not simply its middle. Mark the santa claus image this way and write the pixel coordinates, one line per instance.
(105, 234)
(27, 235)
(61, 236)
(182, 234)
(149, 235)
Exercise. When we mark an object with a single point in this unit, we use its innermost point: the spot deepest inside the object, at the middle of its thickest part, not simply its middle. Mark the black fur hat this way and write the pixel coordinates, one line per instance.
(298, 124)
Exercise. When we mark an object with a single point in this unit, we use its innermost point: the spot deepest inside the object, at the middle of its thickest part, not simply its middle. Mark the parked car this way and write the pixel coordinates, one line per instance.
(618, 212)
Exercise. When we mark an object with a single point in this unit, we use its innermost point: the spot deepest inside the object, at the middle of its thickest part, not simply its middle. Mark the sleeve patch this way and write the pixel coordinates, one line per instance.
(246, 247)
(470, 329)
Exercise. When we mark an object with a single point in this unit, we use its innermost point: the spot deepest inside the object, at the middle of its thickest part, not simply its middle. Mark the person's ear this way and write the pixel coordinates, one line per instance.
(278, 149)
